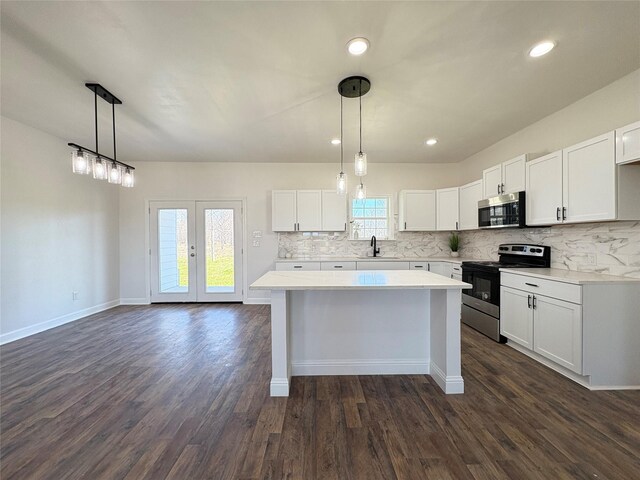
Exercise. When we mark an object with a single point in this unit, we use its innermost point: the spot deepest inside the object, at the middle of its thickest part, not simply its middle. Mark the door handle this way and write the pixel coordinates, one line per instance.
(502, 188)
(456, 225)
(417, 266)
(337, 266)
(193, 254)
(528, 301)
(498, 189)
(531, 284)
(558, 213)
(534, 302)
(297, 266)
(564, 213)
(428, 266)
(405, 225)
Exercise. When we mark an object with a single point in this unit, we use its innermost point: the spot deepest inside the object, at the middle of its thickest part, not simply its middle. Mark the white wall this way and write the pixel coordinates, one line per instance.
(613, 106)
(212, 181)
(59, 235)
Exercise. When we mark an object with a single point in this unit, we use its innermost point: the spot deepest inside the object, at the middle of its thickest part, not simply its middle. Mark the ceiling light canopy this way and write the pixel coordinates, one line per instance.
(357, 46)
(431, 141)
(542, 48)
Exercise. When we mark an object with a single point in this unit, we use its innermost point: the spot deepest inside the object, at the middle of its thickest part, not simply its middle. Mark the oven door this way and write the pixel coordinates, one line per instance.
(485, 293)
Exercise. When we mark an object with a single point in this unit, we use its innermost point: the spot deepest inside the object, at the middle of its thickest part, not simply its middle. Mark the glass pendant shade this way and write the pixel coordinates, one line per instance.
(80, 162)
(341, 183)
(361, 164)
(100, 169)
(361, 192)
(115, 174)
(127, 178)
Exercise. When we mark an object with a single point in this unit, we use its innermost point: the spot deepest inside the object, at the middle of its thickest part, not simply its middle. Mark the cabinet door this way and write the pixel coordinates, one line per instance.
(297, 266)
(439, 267)
(544, 190)
(492, 181)
(589, 180)
(513, 175)
(334, 211)
(418, 210)
(557, 327)
(283, 210)
(628, 144)
(470, 194)
(516, 316)
(382, 265)
(447, 204)
(309, 206)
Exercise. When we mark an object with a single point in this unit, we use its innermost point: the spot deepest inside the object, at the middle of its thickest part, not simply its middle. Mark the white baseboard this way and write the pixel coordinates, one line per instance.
(55, 322)
(134, 301)
(361, 367)
(582, 380)
(450, 384)
(257, 301)
(279, 387)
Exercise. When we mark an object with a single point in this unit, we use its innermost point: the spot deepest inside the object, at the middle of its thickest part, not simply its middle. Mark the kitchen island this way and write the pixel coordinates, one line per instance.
(364, 323)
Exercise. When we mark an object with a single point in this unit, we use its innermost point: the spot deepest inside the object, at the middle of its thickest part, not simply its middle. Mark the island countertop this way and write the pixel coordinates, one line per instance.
(356, 280)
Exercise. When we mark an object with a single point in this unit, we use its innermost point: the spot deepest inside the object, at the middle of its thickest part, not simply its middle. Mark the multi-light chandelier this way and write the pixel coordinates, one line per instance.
(86, 162)
(353, 87)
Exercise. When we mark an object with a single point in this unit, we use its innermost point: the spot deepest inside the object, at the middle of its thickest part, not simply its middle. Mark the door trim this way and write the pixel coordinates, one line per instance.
(147, 241)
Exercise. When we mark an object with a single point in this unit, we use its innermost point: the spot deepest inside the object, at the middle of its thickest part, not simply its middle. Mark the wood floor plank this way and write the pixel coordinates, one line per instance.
(181, 391)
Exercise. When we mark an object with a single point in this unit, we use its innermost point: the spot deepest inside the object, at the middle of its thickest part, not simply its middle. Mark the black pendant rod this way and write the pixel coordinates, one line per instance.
(95, 111)
(113, 112)
(341, 145)
(360, 98)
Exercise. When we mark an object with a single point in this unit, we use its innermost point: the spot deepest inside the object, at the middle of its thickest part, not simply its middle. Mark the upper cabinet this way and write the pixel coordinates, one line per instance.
(448, 211)
(417, 210)
(308, 211)
(628, 144)
(582, 183)
(470, 195)
(507, 177)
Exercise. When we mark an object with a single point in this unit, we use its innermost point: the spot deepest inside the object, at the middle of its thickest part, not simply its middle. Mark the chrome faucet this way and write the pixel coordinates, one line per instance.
(376, 250)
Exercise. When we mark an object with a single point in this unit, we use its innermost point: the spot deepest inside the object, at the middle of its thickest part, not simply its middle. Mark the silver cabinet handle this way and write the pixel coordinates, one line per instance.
(531, 284)
(558, 213)
(528, 301)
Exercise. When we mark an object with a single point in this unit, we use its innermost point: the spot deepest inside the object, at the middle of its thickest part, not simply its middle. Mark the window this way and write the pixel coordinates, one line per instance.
(371, 216)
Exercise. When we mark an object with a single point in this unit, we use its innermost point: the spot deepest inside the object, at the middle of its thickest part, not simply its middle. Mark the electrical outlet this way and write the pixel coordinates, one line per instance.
(74, 295)
(256, 243)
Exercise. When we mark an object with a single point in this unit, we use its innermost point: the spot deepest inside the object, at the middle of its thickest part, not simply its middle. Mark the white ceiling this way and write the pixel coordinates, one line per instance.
(256, 81)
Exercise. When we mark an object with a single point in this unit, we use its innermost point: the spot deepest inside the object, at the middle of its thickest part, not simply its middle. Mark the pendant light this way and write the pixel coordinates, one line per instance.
(341, 179)
(352, 87)
(360, 158)
(85, 161)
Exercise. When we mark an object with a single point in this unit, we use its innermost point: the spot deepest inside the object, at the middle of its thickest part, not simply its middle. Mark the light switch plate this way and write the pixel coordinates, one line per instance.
(257, 233)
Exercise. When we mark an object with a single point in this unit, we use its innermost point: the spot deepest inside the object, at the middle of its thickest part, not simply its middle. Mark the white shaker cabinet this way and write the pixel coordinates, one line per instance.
(589, 180)
(628, 144)
(516, 316)
(544, 190)
(470, 195)
(506, 177)
(334, 211)
(283, 211)
(448, 208)
(309, 206)
(417, 210)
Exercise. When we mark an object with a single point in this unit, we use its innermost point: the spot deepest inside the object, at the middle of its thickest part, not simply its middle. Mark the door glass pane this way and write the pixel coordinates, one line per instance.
(220, 275)
(173, 254)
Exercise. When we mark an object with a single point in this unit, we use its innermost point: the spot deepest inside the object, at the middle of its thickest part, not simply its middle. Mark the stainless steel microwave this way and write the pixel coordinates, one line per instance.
(503, 211)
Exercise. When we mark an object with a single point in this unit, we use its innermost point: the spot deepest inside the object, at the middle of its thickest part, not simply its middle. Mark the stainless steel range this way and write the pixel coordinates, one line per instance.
(481, 304)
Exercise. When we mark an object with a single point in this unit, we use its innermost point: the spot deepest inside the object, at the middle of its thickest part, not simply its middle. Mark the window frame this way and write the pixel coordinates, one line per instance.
(390, 217)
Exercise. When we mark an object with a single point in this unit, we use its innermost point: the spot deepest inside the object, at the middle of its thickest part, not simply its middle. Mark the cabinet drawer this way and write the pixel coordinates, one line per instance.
(338, 266)
(382, 265)
(419, 266)
(550, 288)
(297, 266)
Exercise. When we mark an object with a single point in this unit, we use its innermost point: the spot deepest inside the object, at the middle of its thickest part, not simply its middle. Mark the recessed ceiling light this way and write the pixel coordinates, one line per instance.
(357, 46)
(431, 141)
(335, 141)
(542, 48)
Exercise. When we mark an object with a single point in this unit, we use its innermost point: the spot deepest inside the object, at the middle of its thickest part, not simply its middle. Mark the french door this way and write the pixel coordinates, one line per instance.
(196, 251)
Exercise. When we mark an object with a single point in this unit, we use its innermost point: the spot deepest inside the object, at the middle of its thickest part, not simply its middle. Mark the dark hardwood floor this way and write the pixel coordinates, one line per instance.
(181, 392)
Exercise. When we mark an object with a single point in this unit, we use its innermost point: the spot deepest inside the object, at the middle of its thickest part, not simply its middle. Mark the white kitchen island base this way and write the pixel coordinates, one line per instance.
(364, 323)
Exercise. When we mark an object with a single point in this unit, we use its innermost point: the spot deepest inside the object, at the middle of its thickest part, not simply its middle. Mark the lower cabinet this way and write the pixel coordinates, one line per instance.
(549, 326)
(338, 266)
(295, 266)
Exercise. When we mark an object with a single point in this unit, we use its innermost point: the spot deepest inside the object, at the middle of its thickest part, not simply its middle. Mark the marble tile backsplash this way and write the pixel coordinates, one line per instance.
(612, 248)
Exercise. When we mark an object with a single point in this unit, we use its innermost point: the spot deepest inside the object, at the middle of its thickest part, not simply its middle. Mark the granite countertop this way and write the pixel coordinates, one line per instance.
(570, 276)
(457, 260)
(356, 280)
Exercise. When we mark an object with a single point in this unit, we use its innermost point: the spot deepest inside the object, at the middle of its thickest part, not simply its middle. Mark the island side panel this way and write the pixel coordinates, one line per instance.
(359, 332)
(280, 343)
(445, 340)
